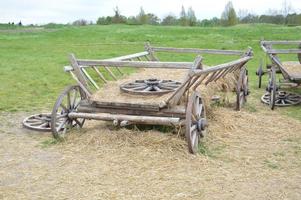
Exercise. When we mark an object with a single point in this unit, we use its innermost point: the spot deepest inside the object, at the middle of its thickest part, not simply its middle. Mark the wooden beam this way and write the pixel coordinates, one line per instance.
(243, 60)
(111, 73)
(176, 96)
(128, 57)
(77, 70)
(197, 51)
(151, 52)
(100, 74)
(90, 78)
(136, 64)
(167, 121)
(283, 51)
(283, 42)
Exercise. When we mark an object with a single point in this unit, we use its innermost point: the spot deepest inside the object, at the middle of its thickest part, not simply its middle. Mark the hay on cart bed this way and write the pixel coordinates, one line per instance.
(111, 91)
(292, 68)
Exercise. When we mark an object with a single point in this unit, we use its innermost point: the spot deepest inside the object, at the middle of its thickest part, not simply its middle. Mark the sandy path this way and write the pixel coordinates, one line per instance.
(246, 155)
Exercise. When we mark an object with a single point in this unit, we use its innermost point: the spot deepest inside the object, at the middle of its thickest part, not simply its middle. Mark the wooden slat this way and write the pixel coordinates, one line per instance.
(197, 51)
(243, 60)
(284, 42)
(87, 91)
(100, 74)
(111, 73)
(77, 70)
(137, 64)
(283, 51)
(125, 105)
(176, 96)
(128, 57)
(90, 78)
(176, 111)
(151, 52)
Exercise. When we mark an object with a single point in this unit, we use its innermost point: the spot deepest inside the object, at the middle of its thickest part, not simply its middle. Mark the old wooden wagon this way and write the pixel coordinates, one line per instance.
(290, 71)
(157, 98)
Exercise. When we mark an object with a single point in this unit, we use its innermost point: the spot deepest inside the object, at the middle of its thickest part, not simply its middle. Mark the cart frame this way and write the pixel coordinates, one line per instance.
(172, 111)
(273, 96)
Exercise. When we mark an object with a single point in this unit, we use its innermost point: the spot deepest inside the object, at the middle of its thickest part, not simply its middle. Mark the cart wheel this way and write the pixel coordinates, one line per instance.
(242, 88)
(38, 122)
(260, 73)
(67, 102)
(272, 88)
(282, 98)
(196, 122)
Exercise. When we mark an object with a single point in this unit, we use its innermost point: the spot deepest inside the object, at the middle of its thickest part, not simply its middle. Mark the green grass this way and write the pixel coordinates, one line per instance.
(31, 61)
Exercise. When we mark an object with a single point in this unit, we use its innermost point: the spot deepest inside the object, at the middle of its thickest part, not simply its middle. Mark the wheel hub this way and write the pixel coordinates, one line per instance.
(202, 124)
(150, 86)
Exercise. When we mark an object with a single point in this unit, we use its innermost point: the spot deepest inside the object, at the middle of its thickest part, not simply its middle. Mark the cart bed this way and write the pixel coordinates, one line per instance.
(111, 93)
(293, 69)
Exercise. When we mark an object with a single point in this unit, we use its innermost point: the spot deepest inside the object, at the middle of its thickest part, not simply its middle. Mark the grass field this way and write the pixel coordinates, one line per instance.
(32, 59)
(251, 154)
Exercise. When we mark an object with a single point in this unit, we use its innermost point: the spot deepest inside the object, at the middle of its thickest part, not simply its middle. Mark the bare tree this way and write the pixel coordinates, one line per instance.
(192, 20)
(229, 17)
(183, 17)
(286, 7)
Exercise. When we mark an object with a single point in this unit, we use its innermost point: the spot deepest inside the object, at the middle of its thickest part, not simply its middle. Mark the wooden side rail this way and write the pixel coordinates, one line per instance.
(136, 64)
(283, 42)
(267, 47)
(198, 76)
(197, 51)
(129, 57)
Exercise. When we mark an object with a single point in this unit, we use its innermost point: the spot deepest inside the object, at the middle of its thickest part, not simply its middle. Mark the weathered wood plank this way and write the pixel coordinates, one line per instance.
(128, 57)
(197, 51)
(77, 70)
(243, 60)
(151, 52)
(90, 78)
(176, 111)
(111, 73)
(175, 98)
(137, 64)
(284, 42)
(283, 51)
(100, 74)
(167, 121)
(125, 105)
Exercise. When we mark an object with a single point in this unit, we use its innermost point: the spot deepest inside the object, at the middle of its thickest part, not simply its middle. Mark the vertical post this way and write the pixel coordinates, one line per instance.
(77, 69)
(175, 98)
(151, 52)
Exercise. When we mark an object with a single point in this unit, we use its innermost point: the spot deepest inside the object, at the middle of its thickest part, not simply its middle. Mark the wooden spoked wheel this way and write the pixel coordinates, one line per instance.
(242, 88)
(66, 103)
(150, 87)
(38, 122)
(282, 99)
(196, 122)
(272, 88)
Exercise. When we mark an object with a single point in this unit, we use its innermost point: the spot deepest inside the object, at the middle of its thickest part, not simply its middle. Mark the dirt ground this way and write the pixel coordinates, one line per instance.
(252, 154)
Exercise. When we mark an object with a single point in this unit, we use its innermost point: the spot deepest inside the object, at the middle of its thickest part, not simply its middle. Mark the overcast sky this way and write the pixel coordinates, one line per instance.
(63, 11)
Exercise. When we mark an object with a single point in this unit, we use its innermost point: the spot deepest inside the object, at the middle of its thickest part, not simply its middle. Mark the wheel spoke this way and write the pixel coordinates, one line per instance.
(62, 124)
(68, 100)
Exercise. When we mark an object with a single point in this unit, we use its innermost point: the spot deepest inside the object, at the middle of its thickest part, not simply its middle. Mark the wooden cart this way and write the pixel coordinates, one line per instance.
(290, 70)
(176, 104)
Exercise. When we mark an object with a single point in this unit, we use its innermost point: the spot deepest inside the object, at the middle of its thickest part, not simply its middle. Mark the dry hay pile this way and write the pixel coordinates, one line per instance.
(246, 155)
(111, 91)
(292, 68)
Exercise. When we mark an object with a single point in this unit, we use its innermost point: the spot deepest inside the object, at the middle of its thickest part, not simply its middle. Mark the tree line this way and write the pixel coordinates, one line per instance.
(187, 17)
(229, 17)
